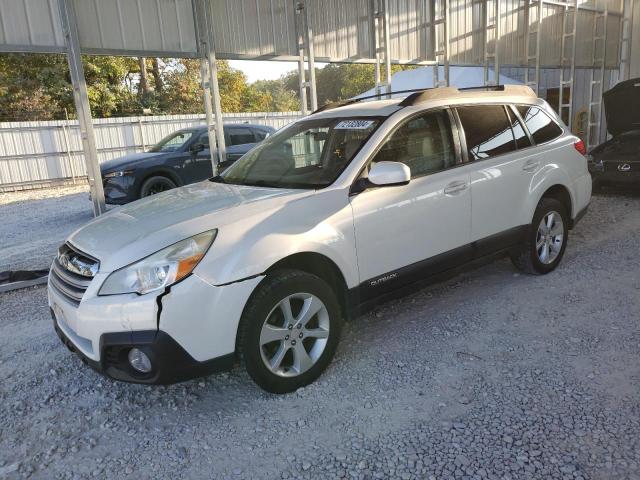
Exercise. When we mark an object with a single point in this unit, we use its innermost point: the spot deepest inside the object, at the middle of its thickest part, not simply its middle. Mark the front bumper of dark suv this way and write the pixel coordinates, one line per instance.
(170, 362)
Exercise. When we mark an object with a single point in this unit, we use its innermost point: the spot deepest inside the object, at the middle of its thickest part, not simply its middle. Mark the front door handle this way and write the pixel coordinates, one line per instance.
(531, 166)
(455, 187)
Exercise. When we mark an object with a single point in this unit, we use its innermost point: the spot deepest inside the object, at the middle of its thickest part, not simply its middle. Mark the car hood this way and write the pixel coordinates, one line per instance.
(126, 161)
(136, 230)
(622, 107)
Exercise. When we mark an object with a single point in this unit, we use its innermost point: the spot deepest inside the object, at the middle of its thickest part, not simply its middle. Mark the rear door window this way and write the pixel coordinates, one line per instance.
(487, 130)
(260, 134)
(240, 136)
(540, 125)
(204, 140)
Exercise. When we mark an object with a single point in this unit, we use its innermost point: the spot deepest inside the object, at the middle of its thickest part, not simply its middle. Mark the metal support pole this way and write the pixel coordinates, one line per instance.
(298, 8)
(302, 86)
(306, 56)
(440, 15)
(204, 27)
(568, 82)
(492, 55)
(375, 41)
(81, 100)
(535, 82)
(596, 86)
(308, 40)
(217, 110)
(205, 77)
(625, 39)
(387, 46)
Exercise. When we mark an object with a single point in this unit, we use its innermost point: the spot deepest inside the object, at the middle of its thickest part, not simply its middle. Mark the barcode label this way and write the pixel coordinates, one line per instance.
(354, 124)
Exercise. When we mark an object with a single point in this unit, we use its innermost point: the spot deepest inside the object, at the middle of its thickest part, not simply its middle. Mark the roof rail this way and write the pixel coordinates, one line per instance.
(512, 89)
(430, 94)
(342, 103)
(419, 95)
(488, 88)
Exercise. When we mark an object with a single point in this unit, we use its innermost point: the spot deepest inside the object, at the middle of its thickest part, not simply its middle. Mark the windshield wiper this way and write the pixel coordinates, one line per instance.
(262, 183)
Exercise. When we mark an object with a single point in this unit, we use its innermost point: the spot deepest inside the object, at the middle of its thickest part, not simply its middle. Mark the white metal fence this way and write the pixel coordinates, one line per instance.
(33, 153)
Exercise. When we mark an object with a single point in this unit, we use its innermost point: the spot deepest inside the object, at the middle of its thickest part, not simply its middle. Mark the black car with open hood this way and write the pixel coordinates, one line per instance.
(617, 161)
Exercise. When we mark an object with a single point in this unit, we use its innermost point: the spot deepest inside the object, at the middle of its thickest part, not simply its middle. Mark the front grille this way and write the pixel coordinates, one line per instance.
(69, 284)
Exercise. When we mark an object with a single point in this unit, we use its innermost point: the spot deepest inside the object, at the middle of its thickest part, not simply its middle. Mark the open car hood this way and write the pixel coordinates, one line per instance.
(622, 107)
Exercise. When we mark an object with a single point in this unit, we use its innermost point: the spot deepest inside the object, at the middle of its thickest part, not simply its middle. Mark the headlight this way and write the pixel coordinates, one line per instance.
(118, 174)
(161, 269)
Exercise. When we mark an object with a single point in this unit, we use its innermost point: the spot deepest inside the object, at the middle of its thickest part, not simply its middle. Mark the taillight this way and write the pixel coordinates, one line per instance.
(579, 146)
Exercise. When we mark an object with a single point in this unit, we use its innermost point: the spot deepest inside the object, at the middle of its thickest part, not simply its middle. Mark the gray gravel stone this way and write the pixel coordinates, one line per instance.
(389, 406)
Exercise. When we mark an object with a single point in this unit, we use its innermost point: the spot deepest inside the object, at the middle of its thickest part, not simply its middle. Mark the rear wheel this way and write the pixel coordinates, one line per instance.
(156, 184)
(546, 241)
(289, 330)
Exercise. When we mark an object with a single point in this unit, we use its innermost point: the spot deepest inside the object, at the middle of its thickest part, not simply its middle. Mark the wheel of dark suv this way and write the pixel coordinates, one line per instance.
(156, 184)
(546, 241)
(289, 330)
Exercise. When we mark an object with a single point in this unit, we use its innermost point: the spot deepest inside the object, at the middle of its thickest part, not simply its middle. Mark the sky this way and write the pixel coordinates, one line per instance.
(265, 70)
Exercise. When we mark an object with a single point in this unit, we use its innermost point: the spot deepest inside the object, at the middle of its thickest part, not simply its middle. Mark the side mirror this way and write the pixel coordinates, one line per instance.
(198, 147)
(389, 174)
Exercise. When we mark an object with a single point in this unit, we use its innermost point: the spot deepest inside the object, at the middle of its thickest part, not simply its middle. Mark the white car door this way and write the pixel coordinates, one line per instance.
(400, 229)
(502, 175)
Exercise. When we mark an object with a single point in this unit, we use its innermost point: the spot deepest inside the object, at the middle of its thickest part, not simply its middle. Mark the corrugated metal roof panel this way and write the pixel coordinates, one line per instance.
(30, 25)
(136, 26)
(266, 29)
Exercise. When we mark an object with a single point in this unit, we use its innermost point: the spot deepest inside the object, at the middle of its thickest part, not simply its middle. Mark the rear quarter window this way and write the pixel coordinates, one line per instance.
(540, 125)
(487, 131)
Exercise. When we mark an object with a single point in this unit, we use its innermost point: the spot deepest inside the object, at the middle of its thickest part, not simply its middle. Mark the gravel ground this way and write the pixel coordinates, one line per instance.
(491, 374)
(34, 223)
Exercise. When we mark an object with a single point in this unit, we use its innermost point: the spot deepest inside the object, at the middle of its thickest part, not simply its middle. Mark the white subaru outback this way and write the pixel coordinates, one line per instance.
(327, 217)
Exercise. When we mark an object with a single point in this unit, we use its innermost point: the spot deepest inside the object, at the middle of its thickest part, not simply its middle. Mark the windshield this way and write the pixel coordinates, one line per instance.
(307, 154)
(172, 142)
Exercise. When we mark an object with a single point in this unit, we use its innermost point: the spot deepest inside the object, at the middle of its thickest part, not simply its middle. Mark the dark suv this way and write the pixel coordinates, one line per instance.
(178, 159)
(616, 162)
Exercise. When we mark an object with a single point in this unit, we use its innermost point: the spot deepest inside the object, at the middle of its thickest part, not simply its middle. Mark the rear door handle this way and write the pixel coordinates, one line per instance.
(455, 187)
(531, 166)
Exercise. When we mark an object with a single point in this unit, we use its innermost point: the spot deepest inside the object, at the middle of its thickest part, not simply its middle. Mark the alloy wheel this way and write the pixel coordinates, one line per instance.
(158, 188)
(549, 237)
(294, 334)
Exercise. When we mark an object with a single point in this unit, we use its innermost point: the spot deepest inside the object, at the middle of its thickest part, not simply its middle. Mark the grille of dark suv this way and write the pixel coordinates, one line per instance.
(67, 282)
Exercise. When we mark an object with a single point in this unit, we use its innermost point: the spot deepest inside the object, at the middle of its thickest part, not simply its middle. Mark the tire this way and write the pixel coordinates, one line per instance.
(265, 336)
(156, 184)
(530, 257)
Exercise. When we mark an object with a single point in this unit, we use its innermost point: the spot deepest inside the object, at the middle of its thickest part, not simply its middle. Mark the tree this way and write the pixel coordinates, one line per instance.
(341, 81)
(281, 99)
(38, 87)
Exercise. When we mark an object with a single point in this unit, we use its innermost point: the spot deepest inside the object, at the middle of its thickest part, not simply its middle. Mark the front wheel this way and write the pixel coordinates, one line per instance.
(289, 330)
(156, 184)
(546, 241)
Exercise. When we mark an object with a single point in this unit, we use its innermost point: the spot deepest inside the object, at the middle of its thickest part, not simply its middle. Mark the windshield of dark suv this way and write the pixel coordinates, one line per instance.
(307, 154)
(172, 142)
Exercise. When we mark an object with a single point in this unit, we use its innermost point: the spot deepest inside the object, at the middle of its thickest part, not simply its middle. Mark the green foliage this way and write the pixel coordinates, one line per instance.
(279, 97)
(37, 87)
(341, 81)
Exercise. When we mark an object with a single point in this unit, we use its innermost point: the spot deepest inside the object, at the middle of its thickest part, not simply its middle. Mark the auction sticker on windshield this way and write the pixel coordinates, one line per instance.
(354, 125)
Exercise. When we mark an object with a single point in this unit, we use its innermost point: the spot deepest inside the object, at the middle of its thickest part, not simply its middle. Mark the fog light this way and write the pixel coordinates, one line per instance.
(139, 360)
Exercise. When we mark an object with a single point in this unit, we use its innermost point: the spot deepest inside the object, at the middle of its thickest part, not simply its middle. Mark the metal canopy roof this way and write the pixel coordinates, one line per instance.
(265, 29)
(433, 32)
